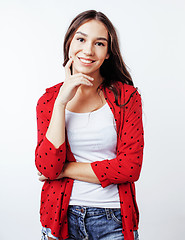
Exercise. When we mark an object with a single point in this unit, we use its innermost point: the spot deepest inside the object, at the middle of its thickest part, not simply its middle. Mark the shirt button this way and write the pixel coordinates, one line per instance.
(82, 210)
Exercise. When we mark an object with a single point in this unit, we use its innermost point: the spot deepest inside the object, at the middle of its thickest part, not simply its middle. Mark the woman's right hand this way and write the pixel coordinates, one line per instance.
(71, 85)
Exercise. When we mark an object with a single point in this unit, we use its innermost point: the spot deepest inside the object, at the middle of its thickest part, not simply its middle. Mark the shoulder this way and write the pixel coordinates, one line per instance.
(48, 98)
(127, 91)
(54, 88)
(126, 88)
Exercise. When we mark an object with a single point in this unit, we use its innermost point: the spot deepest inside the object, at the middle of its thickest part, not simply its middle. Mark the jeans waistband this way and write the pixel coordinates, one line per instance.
(91, 211)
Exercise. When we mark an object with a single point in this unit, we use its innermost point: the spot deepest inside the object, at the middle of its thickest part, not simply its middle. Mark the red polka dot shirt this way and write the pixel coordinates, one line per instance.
(123, 170)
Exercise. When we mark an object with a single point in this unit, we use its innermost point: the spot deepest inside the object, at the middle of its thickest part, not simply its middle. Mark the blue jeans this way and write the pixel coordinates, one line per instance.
(91, 223)
(95, 224)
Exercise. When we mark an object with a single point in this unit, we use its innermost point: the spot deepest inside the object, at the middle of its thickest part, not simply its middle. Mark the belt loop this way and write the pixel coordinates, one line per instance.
(108, 213)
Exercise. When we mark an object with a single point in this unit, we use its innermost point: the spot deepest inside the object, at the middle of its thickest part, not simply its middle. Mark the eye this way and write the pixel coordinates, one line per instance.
(80, 39)
(100, 44)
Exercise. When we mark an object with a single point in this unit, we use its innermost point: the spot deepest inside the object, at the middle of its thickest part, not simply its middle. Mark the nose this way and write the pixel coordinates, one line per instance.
(88, 49)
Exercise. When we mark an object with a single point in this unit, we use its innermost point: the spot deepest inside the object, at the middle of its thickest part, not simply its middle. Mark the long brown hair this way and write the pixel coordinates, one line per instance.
(113, 69)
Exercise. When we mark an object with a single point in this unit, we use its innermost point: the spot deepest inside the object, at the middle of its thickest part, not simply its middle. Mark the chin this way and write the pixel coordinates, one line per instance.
(83, 70)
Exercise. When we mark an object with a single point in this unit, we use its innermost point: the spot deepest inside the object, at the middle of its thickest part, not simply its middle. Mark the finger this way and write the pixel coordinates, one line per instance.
(42, 178)
(39, 173)
(67, 68)
(82, 81)
(84, 76)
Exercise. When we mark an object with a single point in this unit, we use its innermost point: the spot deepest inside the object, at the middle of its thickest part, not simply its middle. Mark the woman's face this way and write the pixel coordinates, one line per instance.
(89, 47)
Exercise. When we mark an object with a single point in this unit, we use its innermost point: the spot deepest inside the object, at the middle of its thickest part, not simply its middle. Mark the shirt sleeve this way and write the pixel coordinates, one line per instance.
(126, 166)
(48, 160)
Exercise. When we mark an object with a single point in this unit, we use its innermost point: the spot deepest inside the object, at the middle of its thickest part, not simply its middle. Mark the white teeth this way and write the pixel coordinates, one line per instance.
(85, 61)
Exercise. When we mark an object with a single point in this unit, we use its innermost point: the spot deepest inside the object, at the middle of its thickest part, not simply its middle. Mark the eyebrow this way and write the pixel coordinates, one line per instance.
(99, 38)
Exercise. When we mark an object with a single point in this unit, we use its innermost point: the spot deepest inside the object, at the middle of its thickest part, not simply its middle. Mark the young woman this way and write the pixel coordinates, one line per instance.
(90, 139)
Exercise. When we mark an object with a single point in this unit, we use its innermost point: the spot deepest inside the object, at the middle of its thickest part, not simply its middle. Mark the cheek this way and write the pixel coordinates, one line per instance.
(70, 49)
(102, 55)
(73, 49)
(102, 58)
(70, 52)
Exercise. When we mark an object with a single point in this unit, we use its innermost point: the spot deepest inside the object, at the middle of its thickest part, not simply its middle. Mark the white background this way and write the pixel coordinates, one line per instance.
(152, 41)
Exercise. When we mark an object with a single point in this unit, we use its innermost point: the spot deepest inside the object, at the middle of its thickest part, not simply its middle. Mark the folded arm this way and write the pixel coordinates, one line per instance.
(126, 166)
(50, 153)
(75, 170)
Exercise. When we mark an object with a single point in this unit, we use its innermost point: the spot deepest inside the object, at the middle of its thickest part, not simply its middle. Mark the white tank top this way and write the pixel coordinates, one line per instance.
(92, 137)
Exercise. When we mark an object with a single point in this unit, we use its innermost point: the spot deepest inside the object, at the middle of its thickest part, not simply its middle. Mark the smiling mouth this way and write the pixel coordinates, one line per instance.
(86, 61)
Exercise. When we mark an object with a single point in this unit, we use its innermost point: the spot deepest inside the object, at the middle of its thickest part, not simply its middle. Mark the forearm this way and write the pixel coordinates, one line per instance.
(56, 130)
(79, 171)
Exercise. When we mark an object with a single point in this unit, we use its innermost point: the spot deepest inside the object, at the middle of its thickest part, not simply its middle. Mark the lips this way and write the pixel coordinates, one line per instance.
(86, 60)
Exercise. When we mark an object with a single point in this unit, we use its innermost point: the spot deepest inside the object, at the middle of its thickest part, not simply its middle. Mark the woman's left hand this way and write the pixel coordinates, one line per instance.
(76, 170)
(42, 178)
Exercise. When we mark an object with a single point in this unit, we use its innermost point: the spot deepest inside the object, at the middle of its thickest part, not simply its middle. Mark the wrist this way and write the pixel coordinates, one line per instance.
(65, 170)
(59, 104)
